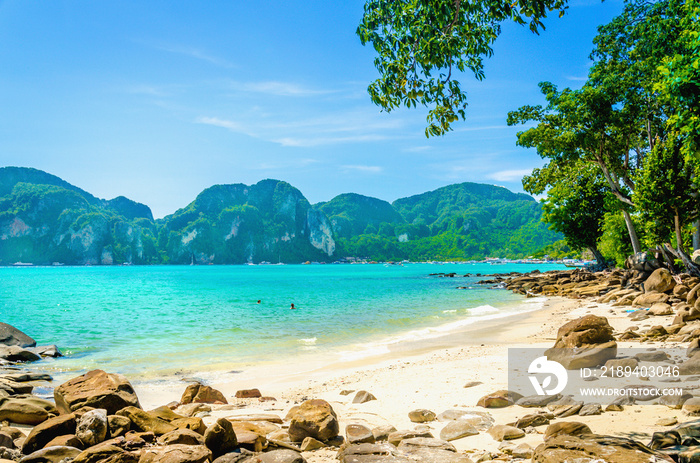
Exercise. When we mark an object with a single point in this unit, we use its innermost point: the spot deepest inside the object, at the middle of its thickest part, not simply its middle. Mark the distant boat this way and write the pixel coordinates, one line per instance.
(58, 264)
(22, 264)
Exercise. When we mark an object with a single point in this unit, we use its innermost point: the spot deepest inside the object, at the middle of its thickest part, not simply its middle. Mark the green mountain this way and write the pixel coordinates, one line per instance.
(232, 224)
(352, 214)
(44, 219)
(464, 221)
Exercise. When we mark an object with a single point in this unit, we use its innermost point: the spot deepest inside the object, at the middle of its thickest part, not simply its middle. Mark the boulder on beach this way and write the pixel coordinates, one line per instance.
(199, 393)
(26, 410)
(92, 427)
(421, 415)
(220, 438)
(660, 281)
(596, 448)
(359, 434)
(499, 399)
(54, 454)
(96, 389)
(314, 418)
(145, 422)
(11, 336)
(45, 432)
(583, 343)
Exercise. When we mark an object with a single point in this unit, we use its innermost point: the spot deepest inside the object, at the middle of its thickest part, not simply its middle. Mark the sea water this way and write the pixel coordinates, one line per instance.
(158, 321)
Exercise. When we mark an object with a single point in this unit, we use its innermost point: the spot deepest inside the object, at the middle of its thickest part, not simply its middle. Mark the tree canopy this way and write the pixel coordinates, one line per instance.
(422, 44)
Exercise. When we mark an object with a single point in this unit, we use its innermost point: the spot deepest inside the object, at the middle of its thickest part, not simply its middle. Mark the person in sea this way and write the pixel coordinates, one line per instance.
(258, 301)
(292, 307)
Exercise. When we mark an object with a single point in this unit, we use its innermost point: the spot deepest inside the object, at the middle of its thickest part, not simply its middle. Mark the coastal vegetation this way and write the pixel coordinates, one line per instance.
(621, 151)
(45, 220)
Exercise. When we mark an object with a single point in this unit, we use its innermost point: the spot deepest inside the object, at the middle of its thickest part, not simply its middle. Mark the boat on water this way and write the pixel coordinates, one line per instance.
(22, 264)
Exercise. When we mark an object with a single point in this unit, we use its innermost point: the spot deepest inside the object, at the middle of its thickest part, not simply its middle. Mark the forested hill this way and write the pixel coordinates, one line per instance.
(463, 221)
(44, 219)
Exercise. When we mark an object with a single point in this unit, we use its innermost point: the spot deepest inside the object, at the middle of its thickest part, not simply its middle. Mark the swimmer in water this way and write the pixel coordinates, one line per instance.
(292, 307)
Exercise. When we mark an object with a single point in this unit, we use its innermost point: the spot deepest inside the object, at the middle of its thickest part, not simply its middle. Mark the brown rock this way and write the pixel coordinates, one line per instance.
(220, 437)
(587, 330)
(51, 455)
(421, 415)
(69, 440)
(96, 389)
(650, 298)
(587, 356)
(278, 456)
(661, 309)
(359, 434)
(118, 425)
(457, 429)
(248, 394)
(198, 393)
(309, 444)
(26, 410)
(396, 437)
(92, 427)
(181, 436)
(43, 433)
(499, 399)
(568, 448)
(105, 453)
(502, 432)
(534, 419)
(314, 418)
(177, 453)
(362, 397)
(693, 295)
(144, 421)
(569, 428)
(660, 281)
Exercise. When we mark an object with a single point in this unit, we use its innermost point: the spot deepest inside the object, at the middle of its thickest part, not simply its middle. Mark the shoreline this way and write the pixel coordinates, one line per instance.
(276, 378)
(457, 370)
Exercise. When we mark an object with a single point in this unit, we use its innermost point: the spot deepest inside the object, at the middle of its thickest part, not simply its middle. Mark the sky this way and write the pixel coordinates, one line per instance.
(158, 100)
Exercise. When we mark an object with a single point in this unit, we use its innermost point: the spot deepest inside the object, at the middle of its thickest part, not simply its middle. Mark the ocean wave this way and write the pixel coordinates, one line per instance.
(476, 314)
(308, 341)
(482, 310)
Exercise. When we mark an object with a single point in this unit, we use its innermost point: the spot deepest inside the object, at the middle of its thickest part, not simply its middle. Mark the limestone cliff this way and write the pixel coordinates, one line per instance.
(269, 221)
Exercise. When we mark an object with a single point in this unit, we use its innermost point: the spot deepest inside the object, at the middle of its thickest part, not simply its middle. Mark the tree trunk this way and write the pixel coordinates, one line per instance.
(696, 235)
(690, 266)
(632, 232)
(598, 257)
(679, 234)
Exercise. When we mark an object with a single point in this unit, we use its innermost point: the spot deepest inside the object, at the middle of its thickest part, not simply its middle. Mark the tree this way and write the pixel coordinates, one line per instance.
(679, 86)
(665, 196)
(575, 204)
(422, 44)
(579, 127)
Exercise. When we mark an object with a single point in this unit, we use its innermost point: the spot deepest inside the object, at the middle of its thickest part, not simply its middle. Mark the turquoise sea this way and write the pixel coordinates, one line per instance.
(159, 321)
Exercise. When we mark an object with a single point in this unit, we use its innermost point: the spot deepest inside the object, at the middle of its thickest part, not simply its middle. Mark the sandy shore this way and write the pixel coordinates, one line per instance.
(432, 376)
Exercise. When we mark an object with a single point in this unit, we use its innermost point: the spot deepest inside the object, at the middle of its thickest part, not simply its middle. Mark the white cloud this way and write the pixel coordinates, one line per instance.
(321, 141)
(195, 53)
(577, 78)
(278, 88)
(216, 122)
(509, 175)
(362, 168)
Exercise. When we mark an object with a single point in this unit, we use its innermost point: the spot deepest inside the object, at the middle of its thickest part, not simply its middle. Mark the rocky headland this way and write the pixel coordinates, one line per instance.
(446, 405)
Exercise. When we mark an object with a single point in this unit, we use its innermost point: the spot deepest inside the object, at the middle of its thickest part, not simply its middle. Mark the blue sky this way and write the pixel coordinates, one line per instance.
(159, 100)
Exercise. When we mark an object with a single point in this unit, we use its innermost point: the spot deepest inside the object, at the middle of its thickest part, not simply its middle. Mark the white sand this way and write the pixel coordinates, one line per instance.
(432, 377)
